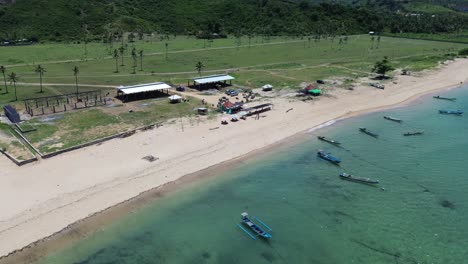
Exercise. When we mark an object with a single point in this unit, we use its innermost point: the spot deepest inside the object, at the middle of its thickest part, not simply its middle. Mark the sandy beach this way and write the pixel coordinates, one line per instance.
(45, 197)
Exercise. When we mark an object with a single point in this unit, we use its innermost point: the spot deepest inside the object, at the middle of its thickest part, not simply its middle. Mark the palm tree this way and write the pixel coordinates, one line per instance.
(3, 70)
(141, 60)
(76, 71)
(199, 66)
(116, 57)
(167, 46)
(41, 70)
(13, 78)
(121, 50)
(134, 57)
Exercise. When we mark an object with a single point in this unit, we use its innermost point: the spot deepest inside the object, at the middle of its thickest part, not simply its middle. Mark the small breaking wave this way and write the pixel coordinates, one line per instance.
(328, 123)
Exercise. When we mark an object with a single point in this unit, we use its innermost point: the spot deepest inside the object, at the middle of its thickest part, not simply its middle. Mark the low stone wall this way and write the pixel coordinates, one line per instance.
(17, 162)
(94, 142)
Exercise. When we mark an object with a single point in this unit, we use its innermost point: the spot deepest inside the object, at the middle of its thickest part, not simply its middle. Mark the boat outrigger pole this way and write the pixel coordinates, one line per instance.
(247, 232)
(261, 222)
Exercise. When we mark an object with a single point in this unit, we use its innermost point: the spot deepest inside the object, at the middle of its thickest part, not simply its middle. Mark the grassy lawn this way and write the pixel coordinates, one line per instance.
(10, 144)
(448, 37)
(281, 62)
(62, 131)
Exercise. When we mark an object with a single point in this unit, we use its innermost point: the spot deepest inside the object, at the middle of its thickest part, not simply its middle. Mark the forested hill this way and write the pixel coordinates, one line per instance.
(75, 19)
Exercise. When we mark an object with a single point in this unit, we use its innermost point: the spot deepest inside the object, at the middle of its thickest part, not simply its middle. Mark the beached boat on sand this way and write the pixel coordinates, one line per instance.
(329, 140)
(413, 133)
(451, 112)
(328, 157)
(393, 119)
(445, 98)
(365, 131)
(349, 177)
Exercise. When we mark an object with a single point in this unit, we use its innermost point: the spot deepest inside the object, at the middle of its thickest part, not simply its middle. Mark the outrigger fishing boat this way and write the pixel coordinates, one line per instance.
(329, 140)
(393, 119)
(413, 133)
(365, 131)
(349, 177)
(327, 156)
(258, 231)
(451, 112)
(444, 98)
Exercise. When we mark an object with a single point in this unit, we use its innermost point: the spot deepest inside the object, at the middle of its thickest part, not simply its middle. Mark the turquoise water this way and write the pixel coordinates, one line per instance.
(421, 216)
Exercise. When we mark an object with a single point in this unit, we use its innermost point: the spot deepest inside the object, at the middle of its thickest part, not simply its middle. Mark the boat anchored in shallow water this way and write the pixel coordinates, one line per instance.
(451, 112)
(413, 133)
(365, 131)
(349, 177)
(445, 98)
(328, 157)
(329, 140)
(393, 119)
(258, 231)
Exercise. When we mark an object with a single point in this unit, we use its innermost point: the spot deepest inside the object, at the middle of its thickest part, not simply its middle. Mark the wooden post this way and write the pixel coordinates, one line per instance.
(53, 108)
(86, 103)
(75, 105)
(42, 110)
(64, 107)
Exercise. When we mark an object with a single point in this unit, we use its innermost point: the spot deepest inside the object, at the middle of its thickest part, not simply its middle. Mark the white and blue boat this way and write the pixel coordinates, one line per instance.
(258, 231)
(328, 156)
(451, 112)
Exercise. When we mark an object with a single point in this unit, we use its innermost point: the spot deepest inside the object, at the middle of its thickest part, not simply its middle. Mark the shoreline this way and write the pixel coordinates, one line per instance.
(153, 189)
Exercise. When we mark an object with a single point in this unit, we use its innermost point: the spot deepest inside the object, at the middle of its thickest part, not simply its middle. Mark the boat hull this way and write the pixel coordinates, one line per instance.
(349, 177)
(328, 157)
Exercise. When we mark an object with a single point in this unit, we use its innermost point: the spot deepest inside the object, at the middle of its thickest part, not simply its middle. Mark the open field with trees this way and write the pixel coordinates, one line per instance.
(286, 63)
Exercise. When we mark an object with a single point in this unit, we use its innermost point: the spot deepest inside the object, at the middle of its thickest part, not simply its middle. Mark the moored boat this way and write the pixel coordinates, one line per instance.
(349, 177)
(451, 112)
(254, 227)
(445, 98)
(413, 133)
(329, 140)
(328, 157)
(365, 131)
(393, 119)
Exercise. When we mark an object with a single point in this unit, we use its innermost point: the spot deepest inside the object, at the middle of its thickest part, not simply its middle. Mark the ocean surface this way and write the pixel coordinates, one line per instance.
(417, 214)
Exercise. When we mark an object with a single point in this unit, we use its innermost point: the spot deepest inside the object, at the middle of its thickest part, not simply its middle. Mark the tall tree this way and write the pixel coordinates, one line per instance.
(76, 72)
(167, 48)
(134, 57)
(116, 57)
(141, 60)
(3, 70)
(121, 50)
(40, 70)
(13, 78)
(199, 66)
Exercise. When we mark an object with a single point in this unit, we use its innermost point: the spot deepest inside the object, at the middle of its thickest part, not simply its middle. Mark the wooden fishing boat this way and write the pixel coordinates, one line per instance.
(451, 112)
(413, 133)
(329, 140)
(393, 119)
(328, 157)
(349, 177)
(445, 98)
(365, 131)
(258, 231)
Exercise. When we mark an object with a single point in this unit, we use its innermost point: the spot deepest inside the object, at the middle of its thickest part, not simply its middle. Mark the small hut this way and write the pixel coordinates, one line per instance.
(174, 99)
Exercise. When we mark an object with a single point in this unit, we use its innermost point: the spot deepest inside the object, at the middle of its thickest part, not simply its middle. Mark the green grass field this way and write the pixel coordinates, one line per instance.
(282, 62)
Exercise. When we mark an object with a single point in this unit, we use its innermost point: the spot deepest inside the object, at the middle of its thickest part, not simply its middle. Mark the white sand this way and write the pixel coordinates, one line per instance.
(40, 199)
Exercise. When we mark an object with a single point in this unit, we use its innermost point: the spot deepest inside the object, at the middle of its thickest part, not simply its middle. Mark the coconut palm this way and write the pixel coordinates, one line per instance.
(76, 71)
(3, 70)
(134, 57)
(167, 48)
(121, 50)
(116, 57)
(13, 78)
(41, 70)
(199, 66)
(141, 60)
